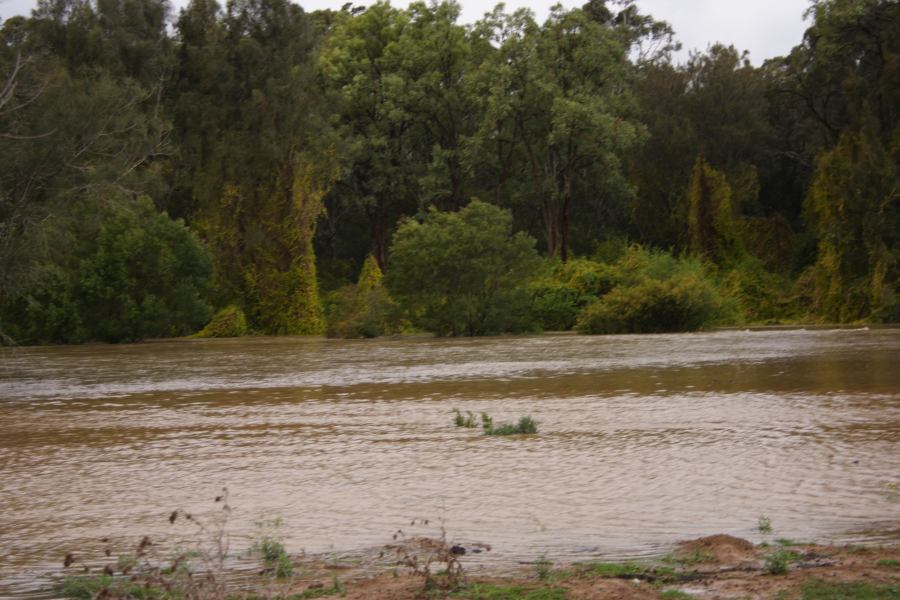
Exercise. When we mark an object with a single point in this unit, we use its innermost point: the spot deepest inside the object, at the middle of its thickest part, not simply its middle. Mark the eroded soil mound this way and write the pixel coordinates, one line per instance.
(719, 549)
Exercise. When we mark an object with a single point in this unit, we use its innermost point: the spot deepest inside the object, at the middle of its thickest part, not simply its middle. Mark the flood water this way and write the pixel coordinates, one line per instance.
(643, 441)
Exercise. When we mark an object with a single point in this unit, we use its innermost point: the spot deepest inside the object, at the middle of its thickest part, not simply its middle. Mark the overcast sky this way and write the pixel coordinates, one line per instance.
(766, 28)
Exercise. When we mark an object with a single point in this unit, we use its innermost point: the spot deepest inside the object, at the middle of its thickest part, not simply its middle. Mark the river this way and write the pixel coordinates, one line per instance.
(643, 441)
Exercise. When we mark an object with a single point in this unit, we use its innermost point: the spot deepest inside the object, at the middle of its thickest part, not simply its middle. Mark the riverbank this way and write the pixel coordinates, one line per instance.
(711, 568)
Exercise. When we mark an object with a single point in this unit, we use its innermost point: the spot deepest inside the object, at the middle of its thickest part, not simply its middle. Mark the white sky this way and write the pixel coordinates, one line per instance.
(766, 28)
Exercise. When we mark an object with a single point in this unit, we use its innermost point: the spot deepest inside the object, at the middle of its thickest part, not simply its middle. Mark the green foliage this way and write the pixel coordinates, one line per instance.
(143, 276)
(468, 420)
(525, 426)
(362, 310)
(557, 298)
(853, 205)
(779, 562)
(759, 294)
(764, 524)
(272, 551)
(712, 231)
(615, 569)
(87, 587)
(892, 563)
(685, 303)
(543, 568)
(228, 322)
(463, 273)
(827, 590)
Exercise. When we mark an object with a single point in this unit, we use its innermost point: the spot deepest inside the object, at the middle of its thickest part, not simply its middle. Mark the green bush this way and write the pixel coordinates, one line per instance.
(557, 298)
(228, 322)
(464, 273)
(362, 310)
(757, 293)
(140, 275)
(683, 303)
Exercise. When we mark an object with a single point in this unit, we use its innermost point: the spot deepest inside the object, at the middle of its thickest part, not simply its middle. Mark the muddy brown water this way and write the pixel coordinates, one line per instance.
(643, 441)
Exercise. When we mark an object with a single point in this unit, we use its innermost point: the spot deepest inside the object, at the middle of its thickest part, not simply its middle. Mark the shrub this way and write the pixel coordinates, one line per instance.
(557, 298)
(228, 322)
(141, 275)
(757, 292)
(778, 562)
(362, 310)
(464, 273)
(685, 303)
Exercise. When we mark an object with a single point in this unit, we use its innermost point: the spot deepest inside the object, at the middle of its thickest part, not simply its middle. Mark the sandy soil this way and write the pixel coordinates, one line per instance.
(711, 568)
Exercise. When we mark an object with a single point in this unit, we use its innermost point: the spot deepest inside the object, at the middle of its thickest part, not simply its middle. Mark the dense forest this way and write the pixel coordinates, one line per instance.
(257, 168)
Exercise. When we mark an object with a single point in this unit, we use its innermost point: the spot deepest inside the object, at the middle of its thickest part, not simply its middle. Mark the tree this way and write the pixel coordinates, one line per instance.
(142, 276)
(711, 226)
(562, 91)
(854, 207)
(463, 273)
(257, 155)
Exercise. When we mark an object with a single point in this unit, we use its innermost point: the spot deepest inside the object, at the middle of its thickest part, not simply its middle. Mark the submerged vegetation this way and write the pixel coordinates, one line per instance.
(525, 425)
(510, 176)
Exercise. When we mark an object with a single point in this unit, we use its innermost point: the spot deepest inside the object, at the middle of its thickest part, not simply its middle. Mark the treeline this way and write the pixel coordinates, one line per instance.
(270, 162)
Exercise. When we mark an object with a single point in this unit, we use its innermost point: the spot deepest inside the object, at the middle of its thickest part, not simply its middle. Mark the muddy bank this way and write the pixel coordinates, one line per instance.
(714, 567)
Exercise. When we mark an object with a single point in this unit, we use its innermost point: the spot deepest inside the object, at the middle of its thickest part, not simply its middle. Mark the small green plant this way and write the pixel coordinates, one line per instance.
(525, 426)
(888, 562)
(543, 568)
(778, 562)
(487, 423)
(194, 572)
(468, 420)
(272, 551)
(764, 524)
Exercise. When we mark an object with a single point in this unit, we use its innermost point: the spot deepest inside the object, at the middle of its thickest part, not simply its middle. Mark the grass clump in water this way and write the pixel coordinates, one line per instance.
(469, 420)
(764, 524)
(525, 426)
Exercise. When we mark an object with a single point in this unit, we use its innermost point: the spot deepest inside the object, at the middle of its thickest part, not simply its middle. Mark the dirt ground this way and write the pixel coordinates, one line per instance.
(710, 568)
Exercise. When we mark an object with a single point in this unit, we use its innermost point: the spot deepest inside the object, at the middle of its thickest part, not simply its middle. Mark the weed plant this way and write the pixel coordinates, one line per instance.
(525, 426)
(432, 559)
(196, 573)
(764, 524)
(469, 420)
(778, 562)
(543, 568)
(272, 551)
